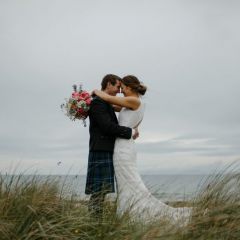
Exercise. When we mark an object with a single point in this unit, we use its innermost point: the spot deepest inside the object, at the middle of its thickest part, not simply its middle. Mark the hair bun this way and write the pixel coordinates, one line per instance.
(141, 89)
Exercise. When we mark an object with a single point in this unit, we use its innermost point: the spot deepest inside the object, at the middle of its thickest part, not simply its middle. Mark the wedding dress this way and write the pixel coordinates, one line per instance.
(132, 194)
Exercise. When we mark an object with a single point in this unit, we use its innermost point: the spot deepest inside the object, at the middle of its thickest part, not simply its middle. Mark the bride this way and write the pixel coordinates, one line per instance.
(133, 195)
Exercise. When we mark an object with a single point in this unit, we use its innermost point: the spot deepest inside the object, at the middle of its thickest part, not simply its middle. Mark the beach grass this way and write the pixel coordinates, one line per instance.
(35, 209)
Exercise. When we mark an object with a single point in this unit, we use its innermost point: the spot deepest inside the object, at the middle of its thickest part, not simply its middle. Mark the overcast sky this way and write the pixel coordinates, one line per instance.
(186, 51)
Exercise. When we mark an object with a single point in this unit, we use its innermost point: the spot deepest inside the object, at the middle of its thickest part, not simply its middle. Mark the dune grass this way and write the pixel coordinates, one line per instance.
(35, 209)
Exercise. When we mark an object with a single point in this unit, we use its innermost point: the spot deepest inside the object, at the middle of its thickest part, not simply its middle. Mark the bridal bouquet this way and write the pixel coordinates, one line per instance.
(77, 106)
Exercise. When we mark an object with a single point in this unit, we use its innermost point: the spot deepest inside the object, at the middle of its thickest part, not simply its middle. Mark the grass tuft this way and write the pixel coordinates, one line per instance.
(34, 209)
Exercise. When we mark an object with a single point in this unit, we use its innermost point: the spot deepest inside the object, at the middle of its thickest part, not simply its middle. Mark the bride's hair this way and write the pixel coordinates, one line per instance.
(133, 82)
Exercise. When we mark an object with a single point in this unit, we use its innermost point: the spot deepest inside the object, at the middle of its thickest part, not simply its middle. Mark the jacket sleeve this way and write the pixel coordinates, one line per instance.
(101, 116)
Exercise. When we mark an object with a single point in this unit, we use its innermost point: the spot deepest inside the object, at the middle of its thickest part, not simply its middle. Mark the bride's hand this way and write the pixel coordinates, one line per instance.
(136, 134)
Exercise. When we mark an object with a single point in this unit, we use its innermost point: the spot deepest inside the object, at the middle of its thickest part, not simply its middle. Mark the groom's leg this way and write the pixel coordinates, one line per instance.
(96, 203)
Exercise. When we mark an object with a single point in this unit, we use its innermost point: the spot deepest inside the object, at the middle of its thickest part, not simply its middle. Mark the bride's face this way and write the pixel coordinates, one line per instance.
(125, 90)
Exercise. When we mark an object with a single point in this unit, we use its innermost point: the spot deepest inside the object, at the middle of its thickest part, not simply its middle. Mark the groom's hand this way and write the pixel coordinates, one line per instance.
(135, 133)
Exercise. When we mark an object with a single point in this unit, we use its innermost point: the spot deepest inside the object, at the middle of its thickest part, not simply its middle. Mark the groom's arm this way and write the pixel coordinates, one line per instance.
(101, 116)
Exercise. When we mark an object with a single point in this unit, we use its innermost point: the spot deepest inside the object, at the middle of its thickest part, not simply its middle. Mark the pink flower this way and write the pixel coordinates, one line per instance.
(88, 101)
(84, 95)
(75, 95)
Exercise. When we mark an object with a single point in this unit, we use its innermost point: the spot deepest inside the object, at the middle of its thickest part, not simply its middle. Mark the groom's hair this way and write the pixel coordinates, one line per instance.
(109, 78)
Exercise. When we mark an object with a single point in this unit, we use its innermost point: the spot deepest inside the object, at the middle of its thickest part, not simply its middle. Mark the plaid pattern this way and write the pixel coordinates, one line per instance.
(100, 174)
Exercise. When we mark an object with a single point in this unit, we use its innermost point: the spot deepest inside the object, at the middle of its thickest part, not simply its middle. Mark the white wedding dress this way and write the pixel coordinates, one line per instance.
(132, 194)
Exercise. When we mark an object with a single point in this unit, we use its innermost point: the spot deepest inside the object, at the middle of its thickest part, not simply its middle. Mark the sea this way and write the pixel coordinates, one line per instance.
(164, 187)
(167, 188)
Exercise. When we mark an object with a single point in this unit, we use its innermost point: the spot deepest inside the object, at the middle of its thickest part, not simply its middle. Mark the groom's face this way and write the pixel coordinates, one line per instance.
(114, 89)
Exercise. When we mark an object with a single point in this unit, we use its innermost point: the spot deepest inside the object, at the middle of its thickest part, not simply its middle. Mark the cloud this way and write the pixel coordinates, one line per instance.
(173, 147)
(186, 52)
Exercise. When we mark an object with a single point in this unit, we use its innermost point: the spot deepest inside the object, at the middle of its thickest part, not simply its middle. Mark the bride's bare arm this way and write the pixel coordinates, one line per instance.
(128, 102)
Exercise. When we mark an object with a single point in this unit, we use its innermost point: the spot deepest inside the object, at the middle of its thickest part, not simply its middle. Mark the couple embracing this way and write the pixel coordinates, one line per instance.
(112, 154)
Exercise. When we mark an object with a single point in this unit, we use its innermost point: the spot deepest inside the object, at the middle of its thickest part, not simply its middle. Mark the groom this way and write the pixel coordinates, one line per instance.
(104, 129)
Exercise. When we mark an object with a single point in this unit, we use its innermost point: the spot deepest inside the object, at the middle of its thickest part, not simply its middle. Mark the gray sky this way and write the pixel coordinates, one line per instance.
(187, 52)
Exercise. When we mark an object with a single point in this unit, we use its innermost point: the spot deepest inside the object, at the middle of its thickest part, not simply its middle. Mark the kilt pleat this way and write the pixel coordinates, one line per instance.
(100, 173)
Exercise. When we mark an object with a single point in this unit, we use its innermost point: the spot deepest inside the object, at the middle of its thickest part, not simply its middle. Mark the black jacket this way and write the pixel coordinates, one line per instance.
(104, 128)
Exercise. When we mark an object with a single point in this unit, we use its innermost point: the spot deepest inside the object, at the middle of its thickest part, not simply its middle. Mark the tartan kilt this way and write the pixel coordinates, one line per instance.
(100, 173)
